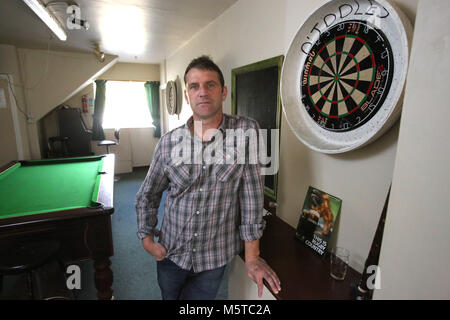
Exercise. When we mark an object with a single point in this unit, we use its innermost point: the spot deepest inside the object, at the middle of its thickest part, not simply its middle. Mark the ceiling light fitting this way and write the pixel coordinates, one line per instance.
(100, 55)
(48, 18)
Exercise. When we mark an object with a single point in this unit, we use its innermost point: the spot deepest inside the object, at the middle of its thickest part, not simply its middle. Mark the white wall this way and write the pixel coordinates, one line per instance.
(143, 144)
(8, 136)
(415, 253)
(52, 77)
(132, 71)
(253, 30)
(9, 64)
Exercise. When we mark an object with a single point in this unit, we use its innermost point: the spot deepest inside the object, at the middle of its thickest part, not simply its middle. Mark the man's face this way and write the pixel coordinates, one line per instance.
(204, 93)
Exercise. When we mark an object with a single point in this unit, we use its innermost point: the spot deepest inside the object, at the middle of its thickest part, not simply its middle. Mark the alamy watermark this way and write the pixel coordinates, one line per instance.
(234, 146)
(374, 280)
(74, 277)
(74, 21)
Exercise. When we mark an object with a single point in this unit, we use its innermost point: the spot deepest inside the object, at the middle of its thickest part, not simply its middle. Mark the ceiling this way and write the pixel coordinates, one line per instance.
(139, 31)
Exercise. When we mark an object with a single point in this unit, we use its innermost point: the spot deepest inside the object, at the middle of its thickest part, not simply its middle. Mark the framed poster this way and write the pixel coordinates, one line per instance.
(316, 223)
(255, 92)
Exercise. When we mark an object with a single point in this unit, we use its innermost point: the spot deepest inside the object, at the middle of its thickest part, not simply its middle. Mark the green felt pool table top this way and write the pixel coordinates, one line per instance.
(32, 187)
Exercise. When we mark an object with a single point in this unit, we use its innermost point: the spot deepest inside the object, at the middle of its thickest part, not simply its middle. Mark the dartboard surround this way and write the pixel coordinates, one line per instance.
(347, 76)
(344, 73)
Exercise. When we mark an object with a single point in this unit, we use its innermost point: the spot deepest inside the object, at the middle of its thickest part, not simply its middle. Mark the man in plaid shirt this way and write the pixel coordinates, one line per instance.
(214, 202)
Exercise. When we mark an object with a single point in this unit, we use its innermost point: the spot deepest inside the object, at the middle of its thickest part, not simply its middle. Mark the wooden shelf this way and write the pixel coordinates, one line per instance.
(303, 273)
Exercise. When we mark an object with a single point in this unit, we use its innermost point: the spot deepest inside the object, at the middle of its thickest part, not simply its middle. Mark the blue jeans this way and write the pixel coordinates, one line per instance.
(180, 284)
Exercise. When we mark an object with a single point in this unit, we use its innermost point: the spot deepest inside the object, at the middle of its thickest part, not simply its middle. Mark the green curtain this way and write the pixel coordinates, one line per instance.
(97, 128)
(152, 91)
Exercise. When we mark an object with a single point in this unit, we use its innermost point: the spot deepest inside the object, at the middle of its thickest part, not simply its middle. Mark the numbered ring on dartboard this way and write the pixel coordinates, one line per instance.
(344, 74)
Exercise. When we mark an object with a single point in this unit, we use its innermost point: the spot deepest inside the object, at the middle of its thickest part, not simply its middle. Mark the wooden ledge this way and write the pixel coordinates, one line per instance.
(302, 272)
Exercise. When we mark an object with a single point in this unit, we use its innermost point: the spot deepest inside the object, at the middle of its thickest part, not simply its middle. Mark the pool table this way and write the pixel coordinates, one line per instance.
(69, 200)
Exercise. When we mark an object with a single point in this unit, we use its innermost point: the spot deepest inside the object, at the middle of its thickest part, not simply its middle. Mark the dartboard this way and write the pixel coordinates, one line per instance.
(344, 74)
(347, 76)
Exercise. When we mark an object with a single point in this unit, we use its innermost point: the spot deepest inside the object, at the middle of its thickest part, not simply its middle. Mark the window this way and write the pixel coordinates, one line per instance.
(126, 105)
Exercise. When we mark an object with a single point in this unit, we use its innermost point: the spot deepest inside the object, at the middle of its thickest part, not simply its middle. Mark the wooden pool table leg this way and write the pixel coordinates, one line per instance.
(103, 278)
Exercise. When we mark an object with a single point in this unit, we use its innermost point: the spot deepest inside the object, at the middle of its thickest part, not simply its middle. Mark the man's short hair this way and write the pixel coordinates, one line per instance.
(205, 63)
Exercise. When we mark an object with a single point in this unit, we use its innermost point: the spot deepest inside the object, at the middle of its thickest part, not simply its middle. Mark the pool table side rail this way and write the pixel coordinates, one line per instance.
(8, 165)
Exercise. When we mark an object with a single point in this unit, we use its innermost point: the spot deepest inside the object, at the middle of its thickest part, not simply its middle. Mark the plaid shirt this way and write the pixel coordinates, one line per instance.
(209, 208)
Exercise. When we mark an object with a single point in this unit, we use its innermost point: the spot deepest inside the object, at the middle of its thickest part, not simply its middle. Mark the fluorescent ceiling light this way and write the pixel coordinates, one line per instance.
(48, 18)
